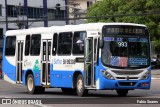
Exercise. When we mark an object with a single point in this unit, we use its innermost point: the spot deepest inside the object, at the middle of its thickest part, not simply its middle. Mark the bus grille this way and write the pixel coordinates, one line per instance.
(130, 78)
(127, 72)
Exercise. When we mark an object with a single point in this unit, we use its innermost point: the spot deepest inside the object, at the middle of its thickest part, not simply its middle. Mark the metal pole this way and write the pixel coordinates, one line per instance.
(66, 12)
(26, 13)
(45, 15)
(6, 15)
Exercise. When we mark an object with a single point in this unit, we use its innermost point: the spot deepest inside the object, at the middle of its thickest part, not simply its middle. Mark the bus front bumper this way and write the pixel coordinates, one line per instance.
(124, 84)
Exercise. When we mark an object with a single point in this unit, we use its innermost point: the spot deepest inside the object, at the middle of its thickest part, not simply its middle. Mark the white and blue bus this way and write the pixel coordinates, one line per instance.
(78, 58)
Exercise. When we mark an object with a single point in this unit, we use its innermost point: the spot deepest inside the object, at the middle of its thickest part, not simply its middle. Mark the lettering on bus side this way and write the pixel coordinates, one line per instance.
(57, 61)
(64, 61)
(69, 61)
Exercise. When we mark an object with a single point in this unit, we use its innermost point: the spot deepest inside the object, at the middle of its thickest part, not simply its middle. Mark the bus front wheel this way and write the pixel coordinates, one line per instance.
(122, 92)
(32, 89)
(80, 90)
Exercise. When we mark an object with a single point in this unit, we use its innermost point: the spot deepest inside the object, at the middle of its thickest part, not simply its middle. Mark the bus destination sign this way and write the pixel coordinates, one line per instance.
(125, 30)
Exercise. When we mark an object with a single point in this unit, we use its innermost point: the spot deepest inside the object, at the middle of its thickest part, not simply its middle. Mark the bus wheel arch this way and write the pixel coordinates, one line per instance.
(74, 79)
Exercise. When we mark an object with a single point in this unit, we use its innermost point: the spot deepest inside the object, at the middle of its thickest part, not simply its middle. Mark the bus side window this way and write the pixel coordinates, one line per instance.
(65, 43)
(10, 46)
(78, 42)
(35, 44)
(27, 45)
(54, 49)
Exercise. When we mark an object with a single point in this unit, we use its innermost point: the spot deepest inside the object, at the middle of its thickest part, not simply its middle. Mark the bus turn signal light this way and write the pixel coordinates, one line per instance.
(145, 84)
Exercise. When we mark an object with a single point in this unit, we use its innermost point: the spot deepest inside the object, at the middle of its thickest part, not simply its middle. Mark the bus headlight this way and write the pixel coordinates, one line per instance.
(146, 75)
(107, 74)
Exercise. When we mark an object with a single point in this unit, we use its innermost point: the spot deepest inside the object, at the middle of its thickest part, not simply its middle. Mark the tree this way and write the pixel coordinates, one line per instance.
(125, 7)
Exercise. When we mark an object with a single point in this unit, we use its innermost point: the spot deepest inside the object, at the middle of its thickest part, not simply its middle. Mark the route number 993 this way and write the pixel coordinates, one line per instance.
(122, 44)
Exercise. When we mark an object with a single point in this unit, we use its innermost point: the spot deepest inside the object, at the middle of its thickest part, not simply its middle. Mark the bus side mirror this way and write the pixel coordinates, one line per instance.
(101, 43)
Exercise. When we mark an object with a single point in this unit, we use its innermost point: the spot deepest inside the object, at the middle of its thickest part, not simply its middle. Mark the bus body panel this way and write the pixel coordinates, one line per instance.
(62, 69)
(105, 83)
(61, 78)
(9, 69)
(32, 63)
(37, 77)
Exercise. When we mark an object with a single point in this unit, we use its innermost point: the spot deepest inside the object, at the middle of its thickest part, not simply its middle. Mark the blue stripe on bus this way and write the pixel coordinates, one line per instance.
(9, 69)
(57, 78)
(62, 78)
(37, 78)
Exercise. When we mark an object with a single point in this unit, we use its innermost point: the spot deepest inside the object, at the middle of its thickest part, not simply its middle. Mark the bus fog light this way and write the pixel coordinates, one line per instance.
(146, 75)
(107, 75)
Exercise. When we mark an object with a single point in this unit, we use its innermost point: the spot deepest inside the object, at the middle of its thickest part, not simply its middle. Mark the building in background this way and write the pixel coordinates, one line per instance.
(15, 11)
(78, 8)
(56, 9)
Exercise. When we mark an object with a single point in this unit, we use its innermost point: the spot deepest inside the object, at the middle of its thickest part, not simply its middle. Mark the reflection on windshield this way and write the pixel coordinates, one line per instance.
(125, 52)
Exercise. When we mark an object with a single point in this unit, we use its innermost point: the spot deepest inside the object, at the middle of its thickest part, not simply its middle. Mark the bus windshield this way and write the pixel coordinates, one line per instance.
(126, 51)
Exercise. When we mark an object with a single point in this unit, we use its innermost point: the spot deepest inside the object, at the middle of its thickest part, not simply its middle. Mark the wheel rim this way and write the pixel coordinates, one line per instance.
(30, 84)
(80, 85)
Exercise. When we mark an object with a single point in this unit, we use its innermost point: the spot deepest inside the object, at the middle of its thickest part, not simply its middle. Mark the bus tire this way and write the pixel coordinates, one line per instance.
(32, 89)
(30, 84)
(122, 92)
(80, 90)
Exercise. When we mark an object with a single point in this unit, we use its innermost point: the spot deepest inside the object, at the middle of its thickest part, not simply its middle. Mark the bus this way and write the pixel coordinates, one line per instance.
(79, 58)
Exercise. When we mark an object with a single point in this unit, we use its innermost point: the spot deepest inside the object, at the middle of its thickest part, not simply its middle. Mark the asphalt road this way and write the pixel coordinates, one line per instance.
(55, 96)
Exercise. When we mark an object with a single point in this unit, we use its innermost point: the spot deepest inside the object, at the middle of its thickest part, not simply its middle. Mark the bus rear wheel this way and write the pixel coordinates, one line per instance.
(122, 92)
(32, 89)
(80, 90)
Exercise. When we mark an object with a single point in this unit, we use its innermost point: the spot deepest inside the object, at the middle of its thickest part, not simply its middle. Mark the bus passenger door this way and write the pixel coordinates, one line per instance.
(19, 62)
(89, 61)
(46, 56)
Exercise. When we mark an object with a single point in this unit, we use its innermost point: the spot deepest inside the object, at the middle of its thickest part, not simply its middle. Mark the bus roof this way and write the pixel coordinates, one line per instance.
(66, 28)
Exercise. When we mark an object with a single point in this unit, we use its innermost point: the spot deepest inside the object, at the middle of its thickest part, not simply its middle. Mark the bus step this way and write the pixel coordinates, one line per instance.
(46, 86)
(90, 87)
(19, 83)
